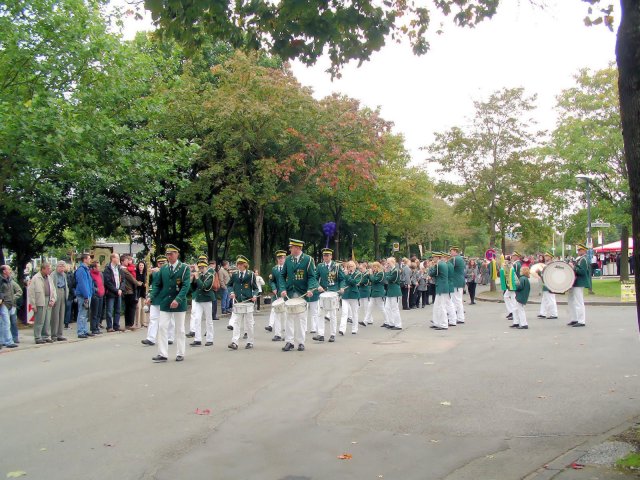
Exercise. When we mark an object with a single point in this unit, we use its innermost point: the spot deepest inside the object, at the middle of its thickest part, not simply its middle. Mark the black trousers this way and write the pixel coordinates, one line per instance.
(405, 297)
(130, 304)
(471, 287)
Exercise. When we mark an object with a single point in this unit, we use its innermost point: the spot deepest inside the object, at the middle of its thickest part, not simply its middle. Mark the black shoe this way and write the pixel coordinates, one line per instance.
(216, 318)
(523, 327)
(97, 332)
(441, 328)
(147, 342)
(541, 316)
(170, 342)
(179, 358)
(248, 346)
(395, 328)
(388, 326)
(571, 324)
(269, 328)
(312, 331)
(354, 333)
(319, 338)
(552, 318)
(40, 341)
(579, 325)
(245, 336)
(287, 347)
(472, 303)
(515, 325)
(232, 346)
(341, 332)
(13, 345)
(79, 336)
(433, 326)
(61, 339)
(327, 318)
(229, 327)
(196, 344)
(301, 348)
(349, 320)
(208, 344)
(89, 334)
(510, 316)
(332, 338)
(362, 323)
(159, 358)
(384, 325)
(276, 338)
(190, 334)
(453, 324)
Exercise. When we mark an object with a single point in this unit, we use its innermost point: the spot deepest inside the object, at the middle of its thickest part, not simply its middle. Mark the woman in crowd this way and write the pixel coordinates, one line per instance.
(472, 277)
(423, 287)
(141, 276)
(97, 300)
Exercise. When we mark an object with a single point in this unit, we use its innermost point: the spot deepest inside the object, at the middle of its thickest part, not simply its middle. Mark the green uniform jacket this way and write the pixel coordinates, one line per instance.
(583, 273)
(171, 285)
(245, 289)
(441, 275)
(330, 278)
(458, 271)
(393, 283)
(517, 265)
(276, 282)
(450, 273)
(201, 287)
(301, 277)
(522, 291)
(365, 286)
(352, 291)
(377, 287)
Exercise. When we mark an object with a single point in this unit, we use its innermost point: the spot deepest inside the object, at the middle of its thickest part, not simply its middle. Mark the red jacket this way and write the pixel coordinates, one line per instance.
(96, 276)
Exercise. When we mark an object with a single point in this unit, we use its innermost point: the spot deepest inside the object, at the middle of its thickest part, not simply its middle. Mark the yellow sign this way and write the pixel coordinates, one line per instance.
(396, 247)
(627, 291)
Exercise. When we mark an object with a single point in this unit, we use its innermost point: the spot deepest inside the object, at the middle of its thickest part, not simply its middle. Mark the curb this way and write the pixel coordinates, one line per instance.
(564, 461)
(595, 303)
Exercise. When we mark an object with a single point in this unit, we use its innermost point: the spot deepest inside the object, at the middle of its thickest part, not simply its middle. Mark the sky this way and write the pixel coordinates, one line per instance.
(540, 49)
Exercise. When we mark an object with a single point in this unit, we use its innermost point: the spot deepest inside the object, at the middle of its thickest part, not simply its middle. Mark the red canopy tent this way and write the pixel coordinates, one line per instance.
(613, 247)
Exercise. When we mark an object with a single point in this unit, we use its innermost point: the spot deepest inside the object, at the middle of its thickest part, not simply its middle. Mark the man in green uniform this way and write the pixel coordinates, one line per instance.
(439, 271)
(299, 275)
(276, 320)
(450, 308)
(170, 288)
(202, 295)
(243, 289)
(394, 294)
(458, 282)
(575, 300)
(330, 279)
(522, 297)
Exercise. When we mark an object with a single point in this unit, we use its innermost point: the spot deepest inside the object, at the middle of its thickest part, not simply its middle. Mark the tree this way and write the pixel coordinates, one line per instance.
(489, 162)
(588, 140)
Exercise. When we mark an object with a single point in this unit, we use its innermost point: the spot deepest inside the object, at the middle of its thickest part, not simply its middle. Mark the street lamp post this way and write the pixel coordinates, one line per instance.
(129, 222)
(587, 180)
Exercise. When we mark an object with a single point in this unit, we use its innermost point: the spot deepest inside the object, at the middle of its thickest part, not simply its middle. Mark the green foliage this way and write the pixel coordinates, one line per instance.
(290, 29)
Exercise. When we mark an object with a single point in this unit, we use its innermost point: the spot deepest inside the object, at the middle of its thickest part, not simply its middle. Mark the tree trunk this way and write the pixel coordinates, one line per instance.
(628, 59)
(258, 224)
(2, 262)
(406, 241)
(230, 224)
(503, 243)
(624, 254)
(376, 241)
(337, 218)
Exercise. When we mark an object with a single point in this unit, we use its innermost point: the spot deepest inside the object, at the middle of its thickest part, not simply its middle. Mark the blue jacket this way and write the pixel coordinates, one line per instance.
(84, 284)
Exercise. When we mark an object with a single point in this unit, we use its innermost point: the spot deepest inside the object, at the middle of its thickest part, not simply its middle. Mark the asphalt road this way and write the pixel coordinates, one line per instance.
(480, 401)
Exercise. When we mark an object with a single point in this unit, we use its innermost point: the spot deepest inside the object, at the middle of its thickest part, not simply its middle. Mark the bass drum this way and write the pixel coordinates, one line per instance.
(558, 277)
(536, 270)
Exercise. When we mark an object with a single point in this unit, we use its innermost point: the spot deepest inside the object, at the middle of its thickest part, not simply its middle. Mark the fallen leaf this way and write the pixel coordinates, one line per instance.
(108, 444)
(429, 363)
(206, 411)
(446, 404)
(16, 474)
(43, 449)
(345, 456)
(354, 443)
(577, 466)
(489, 456)
(434, 441)
(542, 396)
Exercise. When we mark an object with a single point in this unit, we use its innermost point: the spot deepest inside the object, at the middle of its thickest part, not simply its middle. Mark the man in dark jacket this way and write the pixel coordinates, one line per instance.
(114, 288)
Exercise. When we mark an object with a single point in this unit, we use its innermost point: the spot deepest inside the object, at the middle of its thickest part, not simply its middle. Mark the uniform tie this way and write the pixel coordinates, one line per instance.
(171, 268)
(241, 276)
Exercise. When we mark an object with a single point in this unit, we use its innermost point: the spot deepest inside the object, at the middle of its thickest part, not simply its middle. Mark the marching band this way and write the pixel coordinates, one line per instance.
(300, 289)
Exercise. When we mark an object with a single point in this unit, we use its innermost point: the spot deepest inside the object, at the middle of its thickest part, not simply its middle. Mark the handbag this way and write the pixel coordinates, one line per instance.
(216, 282)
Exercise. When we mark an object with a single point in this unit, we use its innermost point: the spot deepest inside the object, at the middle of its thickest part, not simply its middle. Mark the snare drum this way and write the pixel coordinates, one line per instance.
(558, 277)
(329, 301)
(241, 308)
(279, 305)
(296, 305)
